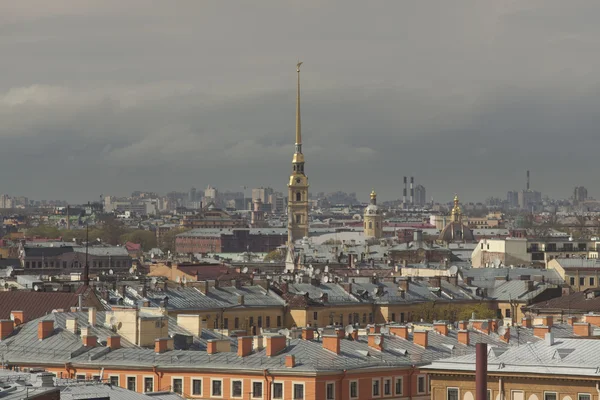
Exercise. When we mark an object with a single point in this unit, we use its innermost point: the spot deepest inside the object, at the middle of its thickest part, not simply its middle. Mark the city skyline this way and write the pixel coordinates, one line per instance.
(485, 93)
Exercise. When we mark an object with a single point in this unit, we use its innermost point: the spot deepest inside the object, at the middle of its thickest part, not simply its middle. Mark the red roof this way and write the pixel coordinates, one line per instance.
(133, 246)
(35, 304)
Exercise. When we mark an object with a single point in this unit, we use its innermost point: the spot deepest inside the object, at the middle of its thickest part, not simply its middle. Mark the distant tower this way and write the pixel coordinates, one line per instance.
(257, 217)
(373, 218)
(298, 184)
(528, 180)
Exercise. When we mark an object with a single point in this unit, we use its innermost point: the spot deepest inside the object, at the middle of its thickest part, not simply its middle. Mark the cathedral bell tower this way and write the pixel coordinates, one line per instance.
(298, 184)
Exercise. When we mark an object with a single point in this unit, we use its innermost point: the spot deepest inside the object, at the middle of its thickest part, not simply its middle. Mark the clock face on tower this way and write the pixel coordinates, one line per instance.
(298, 180)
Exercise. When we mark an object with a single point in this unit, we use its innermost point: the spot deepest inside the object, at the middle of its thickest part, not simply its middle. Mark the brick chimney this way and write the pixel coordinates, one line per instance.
(203, 286)
(275, 345)
(571, 320)
(6, 328)
(211, 346)
(583, 329)
(420, 338)
(245, 344)
(494, 325)
(540, 331)
(114, 342)
(45, 329)
(593, 319)
(482, 326)
(71, 325)
(163, 344)
(290, 361)
(331, 343)
(400, 331)
(308, 333)
(340, 332)
(373, 339)
(404, 284)
(463, 325)
(89, 340)
(547, 320)
(441, 328)
(18, 317)
(526, 322)
(92, 316)
(463, 337)
(376, 328)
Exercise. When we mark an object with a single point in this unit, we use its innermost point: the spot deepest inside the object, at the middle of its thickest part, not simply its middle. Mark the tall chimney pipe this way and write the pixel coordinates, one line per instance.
(412, 190)
(404, 191)
(481, 371)
(527, 179)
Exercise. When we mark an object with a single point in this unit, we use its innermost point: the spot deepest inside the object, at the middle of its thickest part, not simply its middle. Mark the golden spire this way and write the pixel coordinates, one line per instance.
(373, 194)
(298, 127)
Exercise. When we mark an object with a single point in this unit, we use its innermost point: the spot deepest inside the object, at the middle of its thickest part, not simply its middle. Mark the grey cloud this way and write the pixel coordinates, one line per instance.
(110, 97)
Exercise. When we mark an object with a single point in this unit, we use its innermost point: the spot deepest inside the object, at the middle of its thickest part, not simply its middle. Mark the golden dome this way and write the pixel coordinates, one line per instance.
(373, 194)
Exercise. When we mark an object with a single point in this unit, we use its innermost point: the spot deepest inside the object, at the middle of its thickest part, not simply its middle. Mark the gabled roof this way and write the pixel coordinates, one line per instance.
(35, 304)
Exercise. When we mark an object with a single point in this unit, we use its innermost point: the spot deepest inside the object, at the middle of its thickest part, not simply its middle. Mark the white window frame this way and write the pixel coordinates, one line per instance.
(210, 392)
(424, 384)
(252, 382)
(303, 390)
(584, 394)
(401, 379)
(196, 378)
(357, 389)
(127, 381)
(115, 376)
(453, 387)
(383, 386)
(144, 383)
(182, 384)
(550, 392)
(380, 391)
(512, 392)
(78, 375)
(490, 394)
(282, 390)
(330, 383)
(241, 396)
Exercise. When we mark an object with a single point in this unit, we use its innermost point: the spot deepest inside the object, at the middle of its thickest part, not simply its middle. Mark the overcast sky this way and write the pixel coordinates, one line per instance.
(107, 97)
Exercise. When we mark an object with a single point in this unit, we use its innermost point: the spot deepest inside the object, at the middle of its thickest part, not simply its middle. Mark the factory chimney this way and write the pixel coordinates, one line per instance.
(412, 191)
(404, 191)
(527, 180)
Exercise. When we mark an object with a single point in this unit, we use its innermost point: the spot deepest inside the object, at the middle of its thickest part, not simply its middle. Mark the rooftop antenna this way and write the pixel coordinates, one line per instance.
(86, 270)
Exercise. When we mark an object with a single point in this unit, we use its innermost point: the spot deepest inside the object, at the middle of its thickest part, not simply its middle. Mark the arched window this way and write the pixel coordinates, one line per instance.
(298, 196)
(370, 225)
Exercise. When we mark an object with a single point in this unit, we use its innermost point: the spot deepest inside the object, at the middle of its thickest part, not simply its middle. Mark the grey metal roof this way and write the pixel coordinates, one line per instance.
(335, 293)
(489, 274)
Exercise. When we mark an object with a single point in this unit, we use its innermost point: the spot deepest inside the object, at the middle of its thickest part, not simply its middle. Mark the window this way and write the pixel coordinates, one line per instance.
(354, 390)
(257, 390)
(298, 218)
(277, 390)
(489, 394)
(217, 388)
(375, 387)
(572, 281)
(584, 396)
(398, 386)
(370, 318)
(298, 391)
(387, 386)
(114, 380)
(178, 385)
(364, 318)
(131, 383)
(236, 388)
(507, 313)
(148, 384)
(550, 396)
(278, 321)
(393, 317)
(64, 264)
(236, 323)
(452, 394)
(80, 377)
(401, 317)
(197, 387)
(591, 281)
(225, 323)
(330, 391)
(298, 196)
(251, 321)
(315, 315)
(96, 378)
(421, 384)
(268, 321)
(581, 281)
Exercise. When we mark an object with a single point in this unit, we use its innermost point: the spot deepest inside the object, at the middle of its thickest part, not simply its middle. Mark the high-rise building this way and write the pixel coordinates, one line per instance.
(210, 194)
(420, 195)
(192, 196)
(264, 194)
(579, 194)
(298, 183)
(512, 198)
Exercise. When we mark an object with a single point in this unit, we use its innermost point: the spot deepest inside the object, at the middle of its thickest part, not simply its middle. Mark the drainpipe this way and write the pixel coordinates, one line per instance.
(598, 388)
(410, 382)
(267, 386)
(481, 358)
(80, 306)
(500, 388)
(341, 385)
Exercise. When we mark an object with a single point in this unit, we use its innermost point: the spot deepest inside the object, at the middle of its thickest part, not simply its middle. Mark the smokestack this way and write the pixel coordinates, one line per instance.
(481, 371)
(527, 179)
(412, 191)
(404, 191)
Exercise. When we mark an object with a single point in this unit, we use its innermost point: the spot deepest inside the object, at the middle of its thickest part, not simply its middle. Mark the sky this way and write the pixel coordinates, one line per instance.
(108, 97)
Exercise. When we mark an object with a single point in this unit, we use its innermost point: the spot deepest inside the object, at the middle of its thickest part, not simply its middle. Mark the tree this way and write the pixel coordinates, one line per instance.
(167, 240)
(275, 256)
(44, 231)
(112, 229)
(146, 238)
